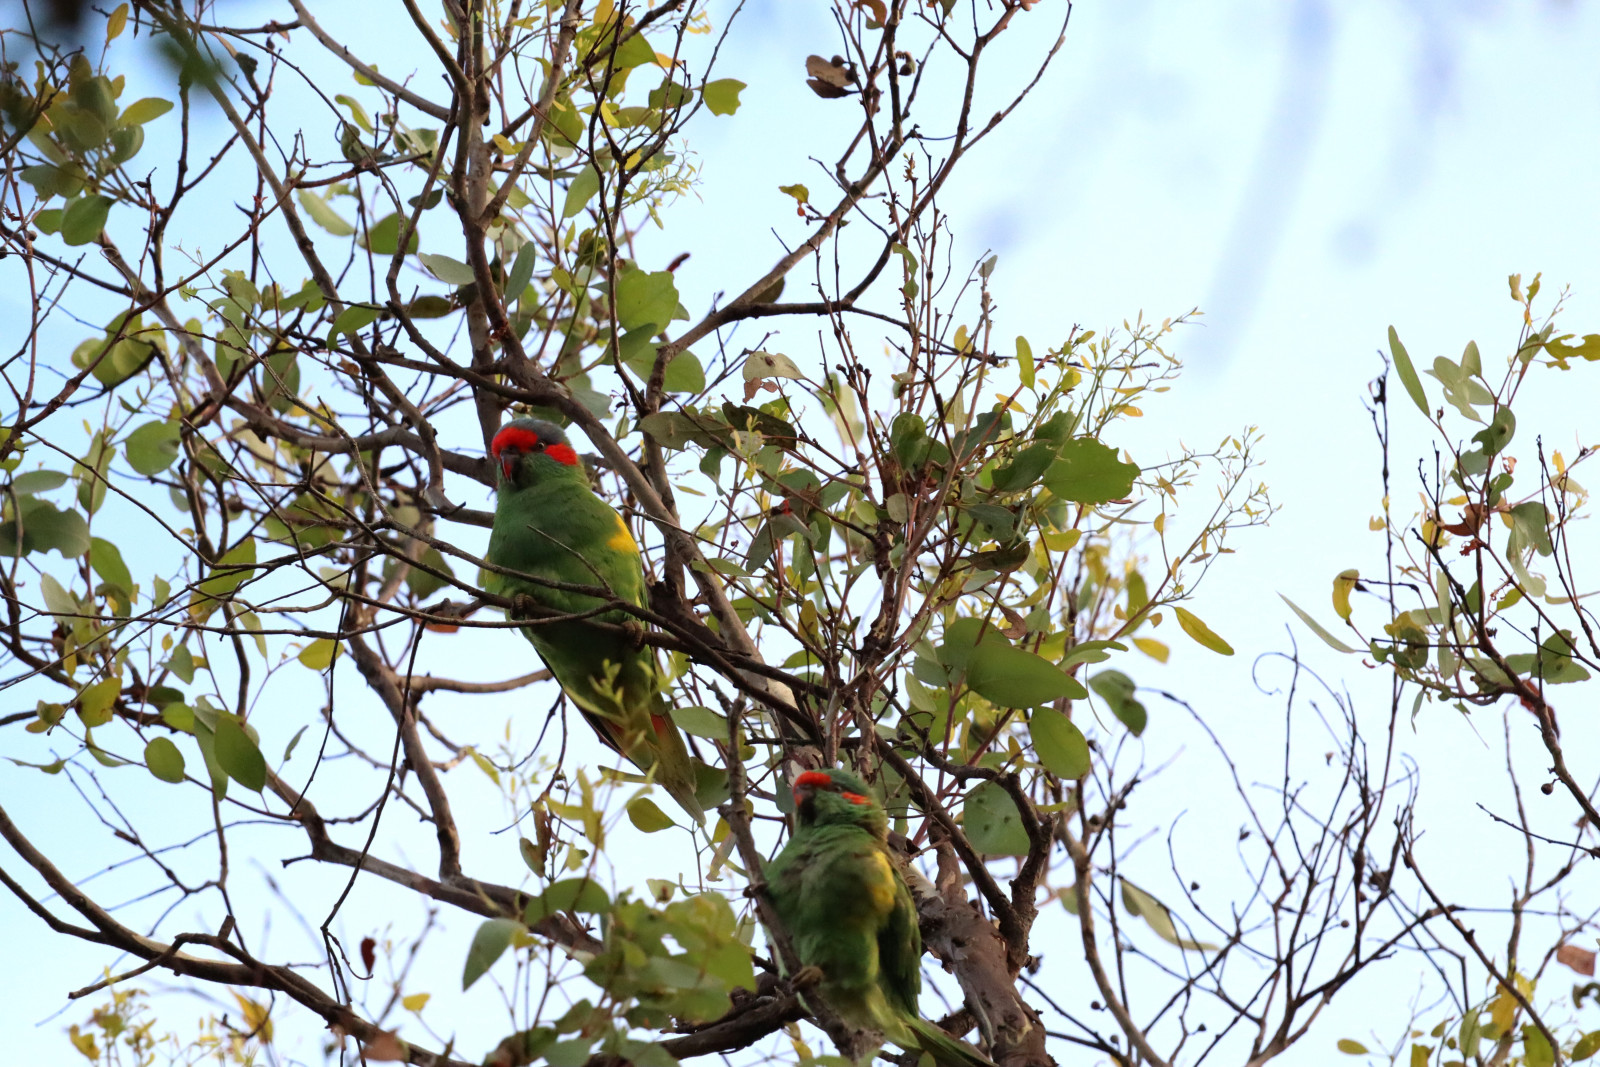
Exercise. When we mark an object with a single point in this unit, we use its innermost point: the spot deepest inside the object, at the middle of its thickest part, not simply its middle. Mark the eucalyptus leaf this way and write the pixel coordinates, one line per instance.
(992, 822)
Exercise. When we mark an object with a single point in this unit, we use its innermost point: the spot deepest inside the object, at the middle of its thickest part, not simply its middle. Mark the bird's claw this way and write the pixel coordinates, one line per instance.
(806, 977)
(636, 631)
(523, 605)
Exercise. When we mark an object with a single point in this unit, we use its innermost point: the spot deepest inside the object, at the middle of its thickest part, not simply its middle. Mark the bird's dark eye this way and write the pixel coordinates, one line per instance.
(538, 446)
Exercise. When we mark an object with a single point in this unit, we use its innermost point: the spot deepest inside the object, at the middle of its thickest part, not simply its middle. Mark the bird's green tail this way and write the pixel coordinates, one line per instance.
(674, 770)
(945, 1050)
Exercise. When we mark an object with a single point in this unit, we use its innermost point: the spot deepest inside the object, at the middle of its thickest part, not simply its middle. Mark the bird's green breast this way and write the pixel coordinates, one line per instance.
(835, 888)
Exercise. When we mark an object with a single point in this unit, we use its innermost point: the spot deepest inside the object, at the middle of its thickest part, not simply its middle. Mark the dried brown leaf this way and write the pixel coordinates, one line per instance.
(835, 73)
(1578, 959)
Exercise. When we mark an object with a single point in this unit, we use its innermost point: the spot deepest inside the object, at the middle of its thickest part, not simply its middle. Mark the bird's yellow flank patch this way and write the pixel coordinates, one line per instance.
(880, 884)
(622, 540)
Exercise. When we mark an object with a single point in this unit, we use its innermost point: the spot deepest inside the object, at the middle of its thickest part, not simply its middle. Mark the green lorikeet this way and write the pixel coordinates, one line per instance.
(848, 911)
(548, 523)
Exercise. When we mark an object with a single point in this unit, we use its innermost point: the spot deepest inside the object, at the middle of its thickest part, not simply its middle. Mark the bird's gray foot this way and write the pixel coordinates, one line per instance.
(523, 606)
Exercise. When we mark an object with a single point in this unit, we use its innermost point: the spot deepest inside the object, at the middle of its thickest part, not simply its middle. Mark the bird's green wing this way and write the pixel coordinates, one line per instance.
(900, 950)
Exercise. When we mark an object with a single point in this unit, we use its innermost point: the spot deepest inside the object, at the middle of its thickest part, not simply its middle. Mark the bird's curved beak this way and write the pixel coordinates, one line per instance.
(508, 465)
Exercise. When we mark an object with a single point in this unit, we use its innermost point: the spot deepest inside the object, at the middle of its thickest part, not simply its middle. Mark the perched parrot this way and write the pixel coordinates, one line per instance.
(549, 523)
(849, 914)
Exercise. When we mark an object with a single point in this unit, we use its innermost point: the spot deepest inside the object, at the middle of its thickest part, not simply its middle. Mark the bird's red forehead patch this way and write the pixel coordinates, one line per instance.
(521, 439)
(818, 779)
(518, 437)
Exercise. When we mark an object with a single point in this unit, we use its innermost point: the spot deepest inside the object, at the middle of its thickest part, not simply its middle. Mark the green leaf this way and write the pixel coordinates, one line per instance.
(761, 365)
(230, 572)
(423, 584)
(1536, 1051)
(644, 814)
(1089, 472)
(1587, 1045)
(645, 299)
(49, 180)
(521, 271)
(323, 214)
(164, 760)
(1468, 1036)
(1201, 632)
(1137, 902)
(1024, 468)
(319, 653)
(37, 482)
(1012, 678)
(142, 111)
(125, 144)
(722, 95)
(1117, 689)
(1091, 652)
(238, 755)
(636, 51)
(1025, 361)
(582, 895)
(1344, 1044)
(992, 822)
(56, 598)
(1497, 435)
(702, 722)
(447, 270)
(1530, 525)
(152, 448)
(1059, 744)
(84, 218)
(383, 238)
(581, 191)
(1317, 628)
(106, 559)
(351, 320)
(961, 640)
(492, 938)
(1408, 377)
(95, 701)
(44, 527)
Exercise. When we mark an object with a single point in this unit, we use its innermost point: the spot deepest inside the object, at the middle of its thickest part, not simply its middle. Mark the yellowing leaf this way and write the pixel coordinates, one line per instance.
(257, 1016)
(1342, 584)
(416, 1001)
(647, 817)
(1202, 633)
(95, 701)
(319, 653)
(116, 23)
(1351, 1048)
(722, 95)
(1152, 648)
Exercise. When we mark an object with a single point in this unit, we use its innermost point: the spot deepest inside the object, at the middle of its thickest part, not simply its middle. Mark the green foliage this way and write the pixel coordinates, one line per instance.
(681, 961)
(266, 472)
(1451, 642)
(992, 822)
